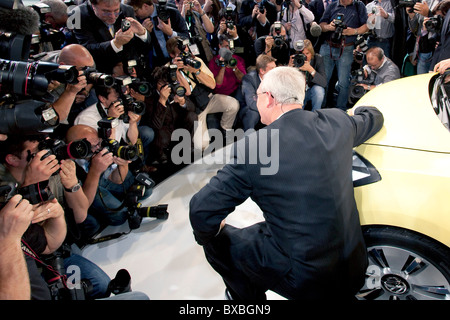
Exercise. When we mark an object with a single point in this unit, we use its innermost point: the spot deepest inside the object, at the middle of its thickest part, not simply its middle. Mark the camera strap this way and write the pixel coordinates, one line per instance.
(101, 111)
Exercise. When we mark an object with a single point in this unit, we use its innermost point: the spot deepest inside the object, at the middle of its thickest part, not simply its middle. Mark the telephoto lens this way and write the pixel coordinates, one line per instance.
(158, 212)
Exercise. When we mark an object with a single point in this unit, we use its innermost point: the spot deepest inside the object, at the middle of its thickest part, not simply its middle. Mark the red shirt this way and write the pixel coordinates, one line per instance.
(230, 81)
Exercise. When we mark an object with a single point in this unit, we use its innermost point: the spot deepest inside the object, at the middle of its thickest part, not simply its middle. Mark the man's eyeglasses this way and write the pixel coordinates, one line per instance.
(255, 96)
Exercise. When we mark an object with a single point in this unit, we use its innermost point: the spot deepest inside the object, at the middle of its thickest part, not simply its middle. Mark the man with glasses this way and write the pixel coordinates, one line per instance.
(98, 27)
(311, 236)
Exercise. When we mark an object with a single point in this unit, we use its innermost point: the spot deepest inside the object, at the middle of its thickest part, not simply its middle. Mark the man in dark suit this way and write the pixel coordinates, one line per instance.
(311, 238)
(248, 113)
(259, 14)
(443, 49)
(99, 30)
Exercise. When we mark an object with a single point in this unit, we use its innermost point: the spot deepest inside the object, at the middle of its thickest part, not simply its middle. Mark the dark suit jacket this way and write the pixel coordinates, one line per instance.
(248, 113)
(95, 36)
(245, 17)
(312, 227)
(443, 50)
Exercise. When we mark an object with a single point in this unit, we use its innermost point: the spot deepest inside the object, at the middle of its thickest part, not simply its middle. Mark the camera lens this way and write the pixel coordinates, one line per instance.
(127, 153)
(79, 149)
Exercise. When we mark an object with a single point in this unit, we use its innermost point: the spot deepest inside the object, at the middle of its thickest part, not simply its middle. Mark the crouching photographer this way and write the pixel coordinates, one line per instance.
(105, 175)
(312, 65)
(275, 44)
(51, 185)
(378, 70)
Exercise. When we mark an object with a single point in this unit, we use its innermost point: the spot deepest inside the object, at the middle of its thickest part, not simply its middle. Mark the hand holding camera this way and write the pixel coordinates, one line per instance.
(40, 168)
(15, 219)
(121, 38)
(47, 210)
(116, 109)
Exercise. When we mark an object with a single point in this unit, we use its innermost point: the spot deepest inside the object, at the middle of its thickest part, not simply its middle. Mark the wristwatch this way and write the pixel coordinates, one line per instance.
(75, 188)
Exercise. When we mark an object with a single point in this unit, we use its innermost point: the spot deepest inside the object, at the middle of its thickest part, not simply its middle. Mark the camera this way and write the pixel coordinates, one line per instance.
(47, 34)
(135, 210)
(299, 60)
(175, 87)
(337, 36)
(261, 6)
(408, 4)
(34, 193)
(228, 59)
(125, 25)
(128, 152)
(97, 78)
(356, 91)
(162, 11)
(434, 24)
(185, 56)
(105, 126)
(361, 41)
(78, 149)
(229, 16)
(25, 116)
(278, 40)
(129, 103)
(33, 78)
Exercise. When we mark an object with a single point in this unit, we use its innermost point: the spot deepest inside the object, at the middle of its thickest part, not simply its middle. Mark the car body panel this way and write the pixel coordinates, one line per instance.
(410, 121)
(412, 155)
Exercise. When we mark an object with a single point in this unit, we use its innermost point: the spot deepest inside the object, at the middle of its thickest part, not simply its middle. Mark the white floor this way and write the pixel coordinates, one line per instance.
(162, 256)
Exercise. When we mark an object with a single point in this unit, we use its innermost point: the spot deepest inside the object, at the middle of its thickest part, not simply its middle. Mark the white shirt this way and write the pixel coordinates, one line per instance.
(90, 116)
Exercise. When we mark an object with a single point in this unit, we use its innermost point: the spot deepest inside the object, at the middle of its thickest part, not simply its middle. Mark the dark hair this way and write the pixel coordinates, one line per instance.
(15, 145)
(102, 91)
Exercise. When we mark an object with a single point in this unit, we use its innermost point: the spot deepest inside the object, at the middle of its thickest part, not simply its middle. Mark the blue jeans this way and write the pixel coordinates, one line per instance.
(112, 196)
(92, 272)
(332, 57)
(316, 94)
(147, 135)
(424, 62)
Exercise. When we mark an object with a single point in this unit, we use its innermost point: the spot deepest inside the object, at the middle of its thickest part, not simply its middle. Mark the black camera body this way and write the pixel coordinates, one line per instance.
(162, 11)
(185, 56)
(356, 91)
(361, 41)
(261, 6)
(278, 40)
(175, 87)
(299, 60)
(337, 37)
(125, 25)
(135, 210)
(34, 193)
(78, 149)
(434, 24)
(229, 17)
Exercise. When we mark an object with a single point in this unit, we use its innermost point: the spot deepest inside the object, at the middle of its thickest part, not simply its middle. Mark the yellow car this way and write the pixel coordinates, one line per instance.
(402, 189)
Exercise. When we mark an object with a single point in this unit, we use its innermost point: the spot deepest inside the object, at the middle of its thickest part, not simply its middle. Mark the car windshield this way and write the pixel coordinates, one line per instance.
(439, 98)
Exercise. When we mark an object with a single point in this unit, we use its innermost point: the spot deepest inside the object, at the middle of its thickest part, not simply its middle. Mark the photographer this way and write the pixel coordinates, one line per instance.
(98, 27)
(106, 179)
(343, 20)
(110, 105)
(63, 201)
(201, 83)
(239, 40)
(228, 69)
(295, 17)
(199, 25)
(71, 99)
(248, 114)
(169, 112)
(259, 14)
(274, 44)
(162, 22)
(385, 69)
(311, 64)
(380, 20)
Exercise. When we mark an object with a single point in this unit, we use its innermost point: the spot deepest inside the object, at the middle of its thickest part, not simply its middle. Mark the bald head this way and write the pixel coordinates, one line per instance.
(76, 55)
(81, 131)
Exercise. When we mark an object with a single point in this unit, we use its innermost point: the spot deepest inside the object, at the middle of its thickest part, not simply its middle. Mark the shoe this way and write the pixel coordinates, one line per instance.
(121, 283)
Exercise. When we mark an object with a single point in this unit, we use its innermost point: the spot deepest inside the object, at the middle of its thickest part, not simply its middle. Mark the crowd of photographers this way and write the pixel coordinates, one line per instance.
(91, 92)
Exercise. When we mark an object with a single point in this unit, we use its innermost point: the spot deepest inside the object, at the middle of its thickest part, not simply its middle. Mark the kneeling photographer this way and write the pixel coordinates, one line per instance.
(312, 65)
(36, 169)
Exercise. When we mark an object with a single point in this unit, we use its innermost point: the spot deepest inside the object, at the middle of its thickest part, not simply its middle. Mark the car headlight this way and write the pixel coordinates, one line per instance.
(363, 172)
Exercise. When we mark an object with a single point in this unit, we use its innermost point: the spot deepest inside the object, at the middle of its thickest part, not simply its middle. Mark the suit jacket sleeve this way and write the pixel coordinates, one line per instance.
(248, 88)
(367, 121)
(214, 202)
